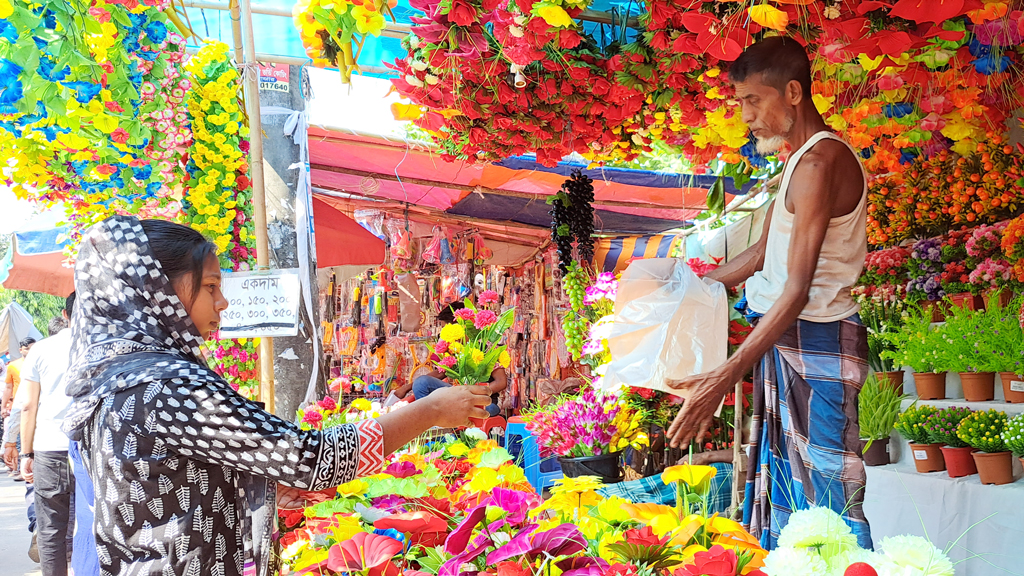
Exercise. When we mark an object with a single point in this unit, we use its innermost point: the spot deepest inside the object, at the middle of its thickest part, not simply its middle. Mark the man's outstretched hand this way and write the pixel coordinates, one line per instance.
(694, 419)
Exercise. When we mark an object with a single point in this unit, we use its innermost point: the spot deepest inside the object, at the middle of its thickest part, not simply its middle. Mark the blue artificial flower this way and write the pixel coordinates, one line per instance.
(40, 43)
(394, 535)
(46, 69)
(86, 90)
(10, 128)
(143, 172)
(749, 151)
(978, 49)
(131, 43)
(868, 152)
(153, 187)
(8, 31)
(990, 64)
(908, 155)
(898, 110)
(156, 31)
(10, 94)
(51, 132)
(80, 167)
(138, 20)
(147, 55)
(9, 72)
(50, 19)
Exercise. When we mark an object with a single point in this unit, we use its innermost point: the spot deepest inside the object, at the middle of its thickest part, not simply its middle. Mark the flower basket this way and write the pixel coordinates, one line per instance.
(959, 461)
(967, 301)
(927, 457)
(605, 466)
(877, 454)
(978, 386)
(1013, 387)
(893, 379)
(1002, 295)
(930, 385)
(994, 468)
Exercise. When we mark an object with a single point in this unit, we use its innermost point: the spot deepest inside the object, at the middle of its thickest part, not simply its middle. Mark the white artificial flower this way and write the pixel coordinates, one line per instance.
(520, 20)
(418, 65)
(476, 434)
(414, 42)
(914, 552)
(819, 528)
(794, 562)
(516, 31)
(831, 12)
(413, 81)
(431, 79)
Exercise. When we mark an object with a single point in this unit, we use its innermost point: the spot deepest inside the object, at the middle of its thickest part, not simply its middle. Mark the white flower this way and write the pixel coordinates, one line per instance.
(794, 562)
(476, 434)
(516, 31)
(914, 552)
(831, 12)
(819, 528)
(520, 20)
(413, 81)
(414, 42)
(418, 65)
(431, 79)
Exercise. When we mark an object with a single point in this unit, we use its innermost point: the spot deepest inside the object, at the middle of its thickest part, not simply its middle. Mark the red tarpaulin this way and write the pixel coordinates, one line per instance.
(340, 241)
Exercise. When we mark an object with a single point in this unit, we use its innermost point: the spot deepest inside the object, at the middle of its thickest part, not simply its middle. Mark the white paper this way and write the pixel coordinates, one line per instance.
(1017, 386)
(669, 324)
(920, 455)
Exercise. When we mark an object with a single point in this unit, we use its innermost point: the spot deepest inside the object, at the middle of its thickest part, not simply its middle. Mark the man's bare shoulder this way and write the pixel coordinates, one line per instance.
(829, 168)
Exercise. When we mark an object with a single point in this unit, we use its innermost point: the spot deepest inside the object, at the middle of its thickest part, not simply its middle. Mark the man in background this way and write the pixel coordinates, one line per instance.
(44, 447)
(12, 380)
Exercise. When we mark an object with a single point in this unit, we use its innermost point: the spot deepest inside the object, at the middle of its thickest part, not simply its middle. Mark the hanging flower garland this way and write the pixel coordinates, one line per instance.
(333, 31)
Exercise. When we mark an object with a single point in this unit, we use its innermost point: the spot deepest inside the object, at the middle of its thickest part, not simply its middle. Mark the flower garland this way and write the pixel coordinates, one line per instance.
(334, 31)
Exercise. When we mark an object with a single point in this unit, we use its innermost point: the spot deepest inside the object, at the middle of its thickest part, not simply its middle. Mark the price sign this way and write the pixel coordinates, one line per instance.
(260, 304)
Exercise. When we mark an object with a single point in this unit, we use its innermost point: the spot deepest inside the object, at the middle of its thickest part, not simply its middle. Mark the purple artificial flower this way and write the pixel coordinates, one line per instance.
(459, 538)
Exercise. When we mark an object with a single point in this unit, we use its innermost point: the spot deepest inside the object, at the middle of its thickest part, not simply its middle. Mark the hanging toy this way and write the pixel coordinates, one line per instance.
(432, 253)
(447, 257)
(483, 253)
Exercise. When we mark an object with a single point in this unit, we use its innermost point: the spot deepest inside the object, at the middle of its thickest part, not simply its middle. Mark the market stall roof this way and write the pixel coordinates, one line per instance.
(340, 241)
(35, 261)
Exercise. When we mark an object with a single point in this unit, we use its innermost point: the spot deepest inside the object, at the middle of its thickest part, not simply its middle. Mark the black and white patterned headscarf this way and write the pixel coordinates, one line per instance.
(128, 328)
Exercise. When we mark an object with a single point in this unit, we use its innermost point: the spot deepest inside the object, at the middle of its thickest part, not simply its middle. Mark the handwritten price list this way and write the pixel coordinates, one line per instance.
(260, 304)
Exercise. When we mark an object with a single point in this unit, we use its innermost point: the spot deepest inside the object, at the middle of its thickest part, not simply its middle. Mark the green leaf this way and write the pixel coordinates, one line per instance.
(433, 560)
(563, 230)
(331, 507)
(716, 196)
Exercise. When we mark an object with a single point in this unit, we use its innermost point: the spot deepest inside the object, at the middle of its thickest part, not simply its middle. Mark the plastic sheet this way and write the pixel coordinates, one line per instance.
(669, 324)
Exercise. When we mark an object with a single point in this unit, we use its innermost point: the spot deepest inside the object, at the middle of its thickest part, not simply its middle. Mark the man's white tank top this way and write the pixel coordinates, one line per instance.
(839, 264)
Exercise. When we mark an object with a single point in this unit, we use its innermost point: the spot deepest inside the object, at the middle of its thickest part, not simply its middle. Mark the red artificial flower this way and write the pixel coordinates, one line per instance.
(119, 135)
(644, 537)
(328, 403)
(718, 561)
(462, 13)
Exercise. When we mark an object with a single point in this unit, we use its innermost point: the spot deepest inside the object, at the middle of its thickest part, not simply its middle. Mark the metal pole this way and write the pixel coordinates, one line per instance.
(242, 31)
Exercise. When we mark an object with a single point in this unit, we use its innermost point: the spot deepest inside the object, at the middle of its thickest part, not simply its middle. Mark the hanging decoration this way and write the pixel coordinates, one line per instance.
(333, 32)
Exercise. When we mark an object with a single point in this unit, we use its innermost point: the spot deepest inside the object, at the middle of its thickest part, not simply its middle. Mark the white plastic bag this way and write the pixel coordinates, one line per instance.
(669, 324)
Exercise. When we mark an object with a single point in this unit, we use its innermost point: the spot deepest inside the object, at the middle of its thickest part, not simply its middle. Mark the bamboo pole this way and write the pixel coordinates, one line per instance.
(241, 28)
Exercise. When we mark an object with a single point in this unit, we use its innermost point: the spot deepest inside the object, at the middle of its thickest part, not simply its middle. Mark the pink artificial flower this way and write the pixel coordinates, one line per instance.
(441, 347)
(328, 404)
(488, 297)
(449, 361)
(484, 318)
(465, 314)
(313, 417)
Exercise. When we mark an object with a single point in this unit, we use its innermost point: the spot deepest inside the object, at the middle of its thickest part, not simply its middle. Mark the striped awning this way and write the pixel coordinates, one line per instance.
(614, 254)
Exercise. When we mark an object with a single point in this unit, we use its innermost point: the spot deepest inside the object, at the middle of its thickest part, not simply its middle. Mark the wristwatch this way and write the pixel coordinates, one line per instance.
(28, 455)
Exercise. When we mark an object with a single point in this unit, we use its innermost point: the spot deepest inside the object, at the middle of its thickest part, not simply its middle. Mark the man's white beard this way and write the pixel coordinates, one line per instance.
(769, 146)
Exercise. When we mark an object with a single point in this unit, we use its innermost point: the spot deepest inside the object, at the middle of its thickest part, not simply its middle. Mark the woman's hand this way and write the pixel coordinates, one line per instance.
(289, 498)
(455, 405)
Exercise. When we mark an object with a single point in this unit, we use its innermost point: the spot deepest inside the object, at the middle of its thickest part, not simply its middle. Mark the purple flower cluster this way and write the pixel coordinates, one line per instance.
(606, 286)
(925, 269)
(926, 287)
(577, 427)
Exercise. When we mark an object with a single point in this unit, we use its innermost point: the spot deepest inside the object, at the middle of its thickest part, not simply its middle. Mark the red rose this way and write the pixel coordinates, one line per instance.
(644, 537)
(462, 13)
(492, 5)
(715, 562)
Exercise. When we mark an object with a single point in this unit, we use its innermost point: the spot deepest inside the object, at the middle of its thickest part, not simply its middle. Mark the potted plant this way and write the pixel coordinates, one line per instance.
(1013, 436)
(967, 347)
(955, 275)
(983, 431)
(925, 286)
(1009, 349)
(587, 432)
(881, 310)
(918, 345)
(912, 425)
(990, 272)
(878, 407)
(942, 427)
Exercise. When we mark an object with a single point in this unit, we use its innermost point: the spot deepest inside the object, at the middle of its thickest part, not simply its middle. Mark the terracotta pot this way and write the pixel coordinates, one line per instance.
(966, 300)
(938, 314)
(894, 379)
(927, 457)
(930, 386)
(996, 468)
(978, 386)
(1004, 296)
(878, 454)
(959, 461)
(1013, 387)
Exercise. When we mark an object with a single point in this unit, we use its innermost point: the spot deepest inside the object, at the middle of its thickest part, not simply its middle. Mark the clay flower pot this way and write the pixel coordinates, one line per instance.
(938, 314)
(893, 379)
(927, 458)
(978, 386)
(930, 386)
(1013, 387)
(995, 468)
(878, 454)
(959, 461)
(966, 300)
(1001, 294)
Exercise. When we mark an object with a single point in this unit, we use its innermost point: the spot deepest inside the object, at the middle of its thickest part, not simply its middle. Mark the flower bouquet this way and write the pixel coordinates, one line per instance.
(925, 269)
(942, 427)
(591, 426)
(887, 266)
(469, 349)
(235, 361)
(983, 431)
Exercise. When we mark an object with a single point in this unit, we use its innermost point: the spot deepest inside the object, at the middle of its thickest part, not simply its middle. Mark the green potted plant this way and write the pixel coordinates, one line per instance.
(918, 345)
(983, 431)
(1013, 436)
(879, 408)
(942, 427)
(912, 425)
(968, 348)
(1008, 347)
(881, 310)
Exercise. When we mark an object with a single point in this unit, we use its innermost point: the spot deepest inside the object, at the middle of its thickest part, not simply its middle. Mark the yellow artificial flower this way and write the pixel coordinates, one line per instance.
(354, 488)
(822, 103)
(553, 14)
(6, 9)
(577, 485)
(483, 480)
(458, 449)
(452, 333)
(693, 476)
(367, 21)
(612, 510)
(475, 355)
(511, 474)
(361, 404)
(504, 359)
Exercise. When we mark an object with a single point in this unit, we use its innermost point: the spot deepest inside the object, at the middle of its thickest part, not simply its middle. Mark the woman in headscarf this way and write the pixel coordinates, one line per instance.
(185, 469)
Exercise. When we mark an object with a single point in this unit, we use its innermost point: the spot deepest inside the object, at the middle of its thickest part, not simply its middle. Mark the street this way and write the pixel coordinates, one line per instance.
(14, 535)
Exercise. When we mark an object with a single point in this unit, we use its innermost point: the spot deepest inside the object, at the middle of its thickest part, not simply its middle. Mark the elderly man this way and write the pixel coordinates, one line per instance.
(808, 348)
